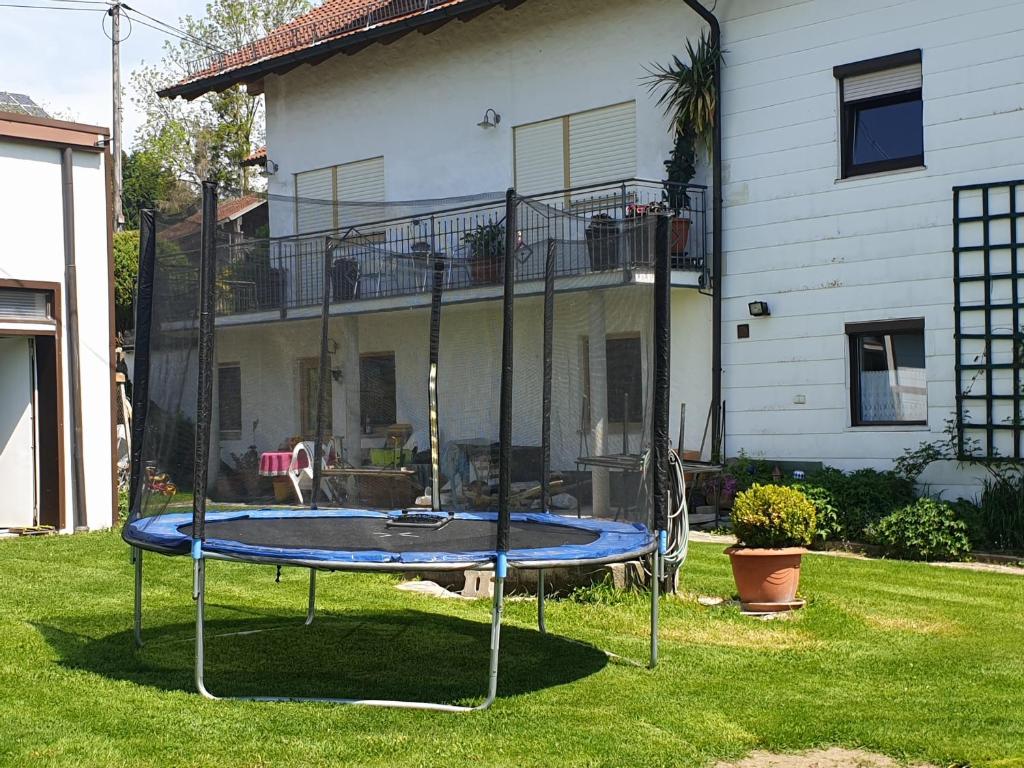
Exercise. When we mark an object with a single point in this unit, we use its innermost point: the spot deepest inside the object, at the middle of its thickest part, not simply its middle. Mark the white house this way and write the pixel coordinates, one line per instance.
(846, 129)
(56, 326)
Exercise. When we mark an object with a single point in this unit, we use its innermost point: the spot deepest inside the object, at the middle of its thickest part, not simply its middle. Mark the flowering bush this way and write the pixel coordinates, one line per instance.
(773, 516)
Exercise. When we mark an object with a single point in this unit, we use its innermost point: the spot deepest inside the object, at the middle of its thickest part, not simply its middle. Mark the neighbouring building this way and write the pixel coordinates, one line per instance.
(872, 222)
(57, 436)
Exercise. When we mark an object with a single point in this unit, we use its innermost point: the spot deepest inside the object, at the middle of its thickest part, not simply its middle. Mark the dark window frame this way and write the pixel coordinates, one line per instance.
(379, 426)
(223, 432)
(849, 111)
(614, 405)
(854, 332)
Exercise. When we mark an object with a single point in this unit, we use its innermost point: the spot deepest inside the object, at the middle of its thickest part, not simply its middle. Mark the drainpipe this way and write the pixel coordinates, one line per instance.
(78, 514)
(717, 438)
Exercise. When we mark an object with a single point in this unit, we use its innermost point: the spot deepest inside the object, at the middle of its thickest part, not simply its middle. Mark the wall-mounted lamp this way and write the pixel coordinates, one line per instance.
(491, 119)
(269, 169)
(759, 309)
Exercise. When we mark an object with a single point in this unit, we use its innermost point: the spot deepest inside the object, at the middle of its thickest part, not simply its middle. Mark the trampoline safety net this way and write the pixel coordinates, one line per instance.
(418, 360)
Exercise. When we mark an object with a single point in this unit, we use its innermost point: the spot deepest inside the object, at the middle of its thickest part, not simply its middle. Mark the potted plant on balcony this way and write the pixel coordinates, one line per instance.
(486, 253)
(602, 235)
(688, 97)
(774, 524)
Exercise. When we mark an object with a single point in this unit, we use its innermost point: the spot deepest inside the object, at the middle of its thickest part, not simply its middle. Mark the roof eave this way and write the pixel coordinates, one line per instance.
(327, 49)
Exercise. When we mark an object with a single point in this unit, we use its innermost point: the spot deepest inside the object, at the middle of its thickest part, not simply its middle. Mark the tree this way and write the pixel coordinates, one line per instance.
(126, 272)
(147, 183)
(209, 137)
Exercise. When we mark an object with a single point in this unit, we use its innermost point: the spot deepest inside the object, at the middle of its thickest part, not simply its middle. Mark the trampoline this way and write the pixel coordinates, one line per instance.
(511, 502)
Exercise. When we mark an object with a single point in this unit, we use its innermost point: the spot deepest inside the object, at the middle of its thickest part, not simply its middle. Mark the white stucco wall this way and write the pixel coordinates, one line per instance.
(32, 220)
(417, 102)
(824, 252)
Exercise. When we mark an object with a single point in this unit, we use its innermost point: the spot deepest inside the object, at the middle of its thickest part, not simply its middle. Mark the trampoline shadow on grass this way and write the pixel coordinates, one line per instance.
(365, 654)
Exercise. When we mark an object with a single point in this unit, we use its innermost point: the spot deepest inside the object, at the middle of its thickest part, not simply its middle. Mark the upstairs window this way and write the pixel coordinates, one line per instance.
(881, 124)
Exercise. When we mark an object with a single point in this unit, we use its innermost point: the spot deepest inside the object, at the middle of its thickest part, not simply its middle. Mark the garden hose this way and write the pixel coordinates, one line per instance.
(678, 515)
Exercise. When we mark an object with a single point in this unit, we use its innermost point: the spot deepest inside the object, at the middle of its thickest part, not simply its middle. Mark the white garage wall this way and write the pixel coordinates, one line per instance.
(31, 216)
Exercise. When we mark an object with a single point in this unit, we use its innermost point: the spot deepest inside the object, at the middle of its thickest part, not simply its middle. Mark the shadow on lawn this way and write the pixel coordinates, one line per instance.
(400, 654)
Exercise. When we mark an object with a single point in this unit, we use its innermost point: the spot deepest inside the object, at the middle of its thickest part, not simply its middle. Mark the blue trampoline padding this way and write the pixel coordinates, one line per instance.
(166, 533)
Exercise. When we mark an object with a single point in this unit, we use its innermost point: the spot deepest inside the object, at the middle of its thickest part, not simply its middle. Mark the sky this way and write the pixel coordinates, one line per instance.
(61, 58)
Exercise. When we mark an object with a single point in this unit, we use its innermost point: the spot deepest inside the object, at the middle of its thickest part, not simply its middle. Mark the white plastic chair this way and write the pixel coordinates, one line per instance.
(300, 470)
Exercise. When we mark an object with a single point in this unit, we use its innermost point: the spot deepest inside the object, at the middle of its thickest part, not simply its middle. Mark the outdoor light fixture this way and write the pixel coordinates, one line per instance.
(270, 169)
(491, 119)
(759, 309)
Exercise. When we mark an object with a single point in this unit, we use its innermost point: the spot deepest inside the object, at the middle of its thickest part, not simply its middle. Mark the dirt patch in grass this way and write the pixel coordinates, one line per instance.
(821, 758)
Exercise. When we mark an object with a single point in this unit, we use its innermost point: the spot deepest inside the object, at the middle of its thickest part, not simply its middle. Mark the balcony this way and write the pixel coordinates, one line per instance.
(382, 255)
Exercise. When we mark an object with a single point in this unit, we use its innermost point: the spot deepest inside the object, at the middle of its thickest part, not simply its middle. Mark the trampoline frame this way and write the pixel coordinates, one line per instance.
(500, 564)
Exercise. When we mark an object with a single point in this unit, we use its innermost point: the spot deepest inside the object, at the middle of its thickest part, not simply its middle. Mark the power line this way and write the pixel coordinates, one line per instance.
(51, 7)
(172, 34)
(173, 29)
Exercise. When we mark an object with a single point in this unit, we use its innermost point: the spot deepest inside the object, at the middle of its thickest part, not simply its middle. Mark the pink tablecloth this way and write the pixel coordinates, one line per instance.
(275, 463)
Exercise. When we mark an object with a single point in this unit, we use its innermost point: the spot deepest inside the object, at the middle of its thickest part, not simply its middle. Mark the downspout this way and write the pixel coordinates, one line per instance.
(717, 439)
(78, 514)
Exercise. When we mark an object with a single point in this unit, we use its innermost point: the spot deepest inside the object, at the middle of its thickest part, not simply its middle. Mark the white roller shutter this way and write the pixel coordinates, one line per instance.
(883, 83)
(361, 182)
(602, 145)
(540, 157)
(314, 204)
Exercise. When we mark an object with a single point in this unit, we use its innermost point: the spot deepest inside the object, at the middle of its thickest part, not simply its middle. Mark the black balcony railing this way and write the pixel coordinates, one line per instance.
(373, 255)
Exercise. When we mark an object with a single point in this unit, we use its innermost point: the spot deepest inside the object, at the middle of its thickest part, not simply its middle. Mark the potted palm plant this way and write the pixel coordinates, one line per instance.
(687, 93)
(774, 524)
(486, 252)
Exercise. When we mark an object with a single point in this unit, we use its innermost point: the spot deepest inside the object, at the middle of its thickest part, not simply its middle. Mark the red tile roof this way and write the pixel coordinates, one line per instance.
(259, 157)
(324, 31)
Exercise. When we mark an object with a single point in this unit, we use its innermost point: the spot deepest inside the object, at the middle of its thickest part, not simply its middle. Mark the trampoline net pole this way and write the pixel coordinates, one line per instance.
(549, 323)
(324, 377)
(662, 361)
(143, 330)
(507, 369)
(204, 399)
(437, 262)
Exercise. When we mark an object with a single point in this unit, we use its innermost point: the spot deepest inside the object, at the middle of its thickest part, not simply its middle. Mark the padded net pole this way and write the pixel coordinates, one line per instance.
(432, 410)
(204, 399)
(143, 330)
(507, 355)
(549, 324)
(324, 375)
(662, 362)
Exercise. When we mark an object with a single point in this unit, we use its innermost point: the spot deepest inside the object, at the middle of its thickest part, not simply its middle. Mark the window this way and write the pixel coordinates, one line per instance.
(321, 196)
(625, 388)
(25, 305)
(377, 402)
(590, 147)
(309, 388)
(623, 369)
(882, 114)
(229, 401)
(887, 373)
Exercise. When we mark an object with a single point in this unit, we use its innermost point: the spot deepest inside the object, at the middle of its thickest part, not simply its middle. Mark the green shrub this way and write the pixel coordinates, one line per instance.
(828, 524)
(1002, 511)
(862, 498)
(974, 519)
(773, 516)
(925, 530)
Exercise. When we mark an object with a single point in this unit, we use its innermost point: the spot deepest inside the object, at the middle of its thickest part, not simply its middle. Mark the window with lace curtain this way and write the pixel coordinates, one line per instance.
(888, 384)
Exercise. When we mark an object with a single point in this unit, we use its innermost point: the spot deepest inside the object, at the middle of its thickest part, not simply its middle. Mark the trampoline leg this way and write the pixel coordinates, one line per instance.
(311, 610)
(540, 602)
(199, 594)
(655, 583)
(492, 670)
(137, 626)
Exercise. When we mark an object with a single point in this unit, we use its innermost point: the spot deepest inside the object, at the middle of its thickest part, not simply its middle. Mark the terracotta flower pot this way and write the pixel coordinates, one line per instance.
(767, 579)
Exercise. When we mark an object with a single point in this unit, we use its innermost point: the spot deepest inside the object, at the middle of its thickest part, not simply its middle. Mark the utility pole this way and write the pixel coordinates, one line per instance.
(115, 59)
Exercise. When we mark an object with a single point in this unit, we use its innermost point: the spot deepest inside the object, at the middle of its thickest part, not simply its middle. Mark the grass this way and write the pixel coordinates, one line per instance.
(917, 662)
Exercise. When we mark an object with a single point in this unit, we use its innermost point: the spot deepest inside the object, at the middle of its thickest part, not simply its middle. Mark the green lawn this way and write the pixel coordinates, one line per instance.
(918, 662)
